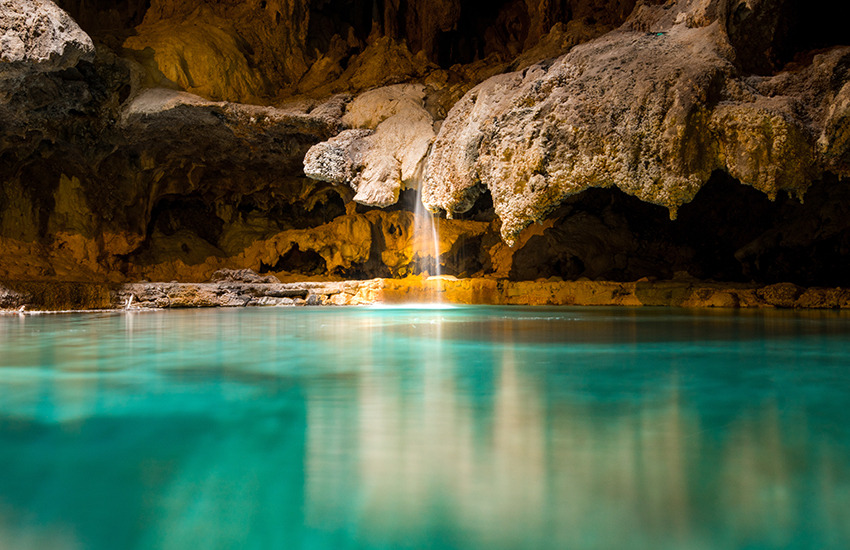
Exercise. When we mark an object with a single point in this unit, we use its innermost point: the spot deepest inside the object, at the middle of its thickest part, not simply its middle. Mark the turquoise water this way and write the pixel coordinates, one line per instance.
(473, 428)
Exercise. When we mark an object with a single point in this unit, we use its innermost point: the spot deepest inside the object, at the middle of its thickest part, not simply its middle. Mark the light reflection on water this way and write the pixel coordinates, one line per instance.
(405, 428)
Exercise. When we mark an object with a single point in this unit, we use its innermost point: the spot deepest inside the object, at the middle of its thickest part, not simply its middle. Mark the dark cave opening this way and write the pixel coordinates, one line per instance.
(175, 213)
(729, 232)
(294, 215)
(482, 209)
(804, 29)
(106, 15)
(466, 258)
(374, 265)
(306, 262)
(338, 17)
(484, 27)
(768, 40)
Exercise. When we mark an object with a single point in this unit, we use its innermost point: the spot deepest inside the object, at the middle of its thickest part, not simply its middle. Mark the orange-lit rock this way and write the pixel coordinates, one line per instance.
(201, 55)
(242, 51)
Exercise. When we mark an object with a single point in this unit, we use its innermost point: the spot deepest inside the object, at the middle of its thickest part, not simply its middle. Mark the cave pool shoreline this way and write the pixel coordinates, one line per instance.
(51, 296)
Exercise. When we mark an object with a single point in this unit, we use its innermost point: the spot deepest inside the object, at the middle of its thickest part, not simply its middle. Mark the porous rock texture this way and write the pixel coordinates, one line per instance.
(384, 152)
(170, 139)
(652, 109)
(35, 35)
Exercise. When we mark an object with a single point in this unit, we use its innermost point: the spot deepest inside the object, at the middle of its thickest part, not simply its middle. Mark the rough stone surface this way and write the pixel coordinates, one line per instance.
(241, 276)
(652, 113)
(86, 177)
(781, 294)
(387, 150)
(24, 298)
(235, 51)
(597, 111)
(36, 35)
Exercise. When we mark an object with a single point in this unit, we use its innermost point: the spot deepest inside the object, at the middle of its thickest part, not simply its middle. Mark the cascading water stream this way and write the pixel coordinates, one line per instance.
(426, 244)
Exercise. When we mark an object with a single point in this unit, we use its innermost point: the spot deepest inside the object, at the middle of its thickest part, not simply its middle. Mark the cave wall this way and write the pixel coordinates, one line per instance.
(166, 139)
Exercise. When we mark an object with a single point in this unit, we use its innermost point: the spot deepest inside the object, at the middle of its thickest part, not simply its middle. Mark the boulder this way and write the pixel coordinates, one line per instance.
(386, 150)
(36, 35)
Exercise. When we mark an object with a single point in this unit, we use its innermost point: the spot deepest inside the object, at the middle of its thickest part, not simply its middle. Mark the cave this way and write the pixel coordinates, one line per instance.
(791, 35)
(729, 232)
(307, 262)
(444, 274)
(332, 131)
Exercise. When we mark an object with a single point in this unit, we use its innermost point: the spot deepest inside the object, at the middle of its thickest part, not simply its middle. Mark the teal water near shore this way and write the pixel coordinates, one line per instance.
(472, 428)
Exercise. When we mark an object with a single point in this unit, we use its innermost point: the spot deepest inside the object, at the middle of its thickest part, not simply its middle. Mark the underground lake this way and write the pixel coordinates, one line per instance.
(462, 427)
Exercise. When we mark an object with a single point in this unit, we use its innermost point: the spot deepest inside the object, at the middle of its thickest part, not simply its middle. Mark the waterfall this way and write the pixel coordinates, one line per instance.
(426, 246)
(426, 242)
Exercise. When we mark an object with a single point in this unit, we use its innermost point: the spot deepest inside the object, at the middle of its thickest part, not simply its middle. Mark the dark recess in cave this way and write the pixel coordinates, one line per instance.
(330, 17)
(98, 16)
(305, 262)
(808, 29)
(374, 266)
(296, 216)
(173, 214)
(466, 258)
(767, 40)
(482, 210)
(730, 232)
(468, 42)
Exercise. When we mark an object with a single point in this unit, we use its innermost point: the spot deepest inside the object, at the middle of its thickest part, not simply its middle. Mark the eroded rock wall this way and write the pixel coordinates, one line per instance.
(178, 137)
(651, 113)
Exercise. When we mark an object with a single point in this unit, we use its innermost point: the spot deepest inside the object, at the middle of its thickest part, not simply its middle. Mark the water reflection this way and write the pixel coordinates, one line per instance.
(488, 428)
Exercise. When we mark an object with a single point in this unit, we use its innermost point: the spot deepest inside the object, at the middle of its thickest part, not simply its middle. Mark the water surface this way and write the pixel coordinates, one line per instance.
(473, 428)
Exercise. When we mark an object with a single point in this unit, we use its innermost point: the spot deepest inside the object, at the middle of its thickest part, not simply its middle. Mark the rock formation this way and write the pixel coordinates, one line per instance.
(39, 37)
(384, 151)
(652, 113)
(169, 139)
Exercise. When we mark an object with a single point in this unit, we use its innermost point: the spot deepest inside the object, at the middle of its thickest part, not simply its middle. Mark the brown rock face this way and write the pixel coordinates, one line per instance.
(291, 137)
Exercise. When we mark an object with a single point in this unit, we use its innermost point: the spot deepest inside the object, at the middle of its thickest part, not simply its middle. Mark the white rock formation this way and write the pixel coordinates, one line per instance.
(386, 148)
(38, 35)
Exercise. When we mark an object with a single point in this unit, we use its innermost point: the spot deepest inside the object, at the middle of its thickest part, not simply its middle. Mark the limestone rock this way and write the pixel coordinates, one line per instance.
(234, 51)
(340, 159)
(13, 299)
(377, 164)
(110, 170)
(383, 62)
(38, 35)
(203, 55)
(781, 294)
(652, 113)
(242, 276)
(96, 162)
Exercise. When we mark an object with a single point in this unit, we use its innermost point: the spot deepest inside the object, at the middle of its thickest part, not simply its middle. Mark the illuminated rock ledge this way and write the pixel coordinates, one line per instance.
(23, 297)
